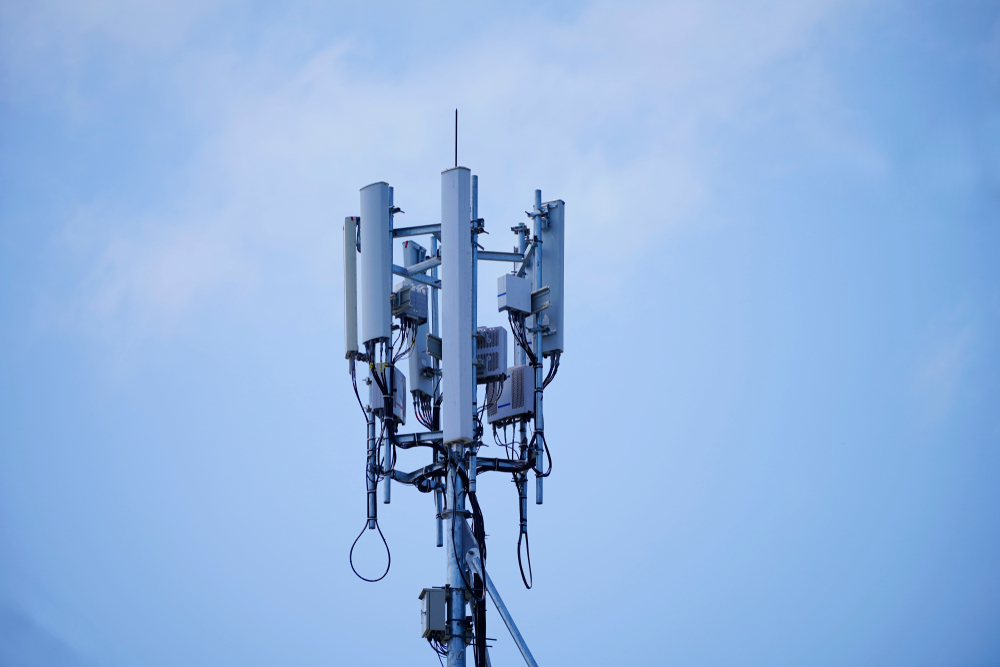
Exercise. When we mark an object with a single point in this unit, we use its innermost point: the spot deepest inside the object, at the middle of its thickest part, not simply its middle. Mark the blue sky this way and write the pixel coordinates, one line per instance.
(775, 430)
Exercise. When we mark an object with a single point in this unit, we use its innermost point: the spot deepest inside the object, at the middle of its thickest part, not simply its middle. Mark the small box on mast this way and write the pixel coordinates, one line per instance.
(377, 400)
(432, 612)
(517, 399)
(409, 302)
(513, 293)
(491, 354)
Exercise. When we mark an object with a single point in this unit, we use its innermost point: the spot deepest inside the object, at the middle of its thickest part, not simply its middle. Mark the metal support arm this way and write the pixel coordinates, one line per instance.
(408, 440)
(423, 266)
(418, 230)
(472, 560)
(505, 465)
(416, 277)
(492, 256)
(421, 477)
(527, 258)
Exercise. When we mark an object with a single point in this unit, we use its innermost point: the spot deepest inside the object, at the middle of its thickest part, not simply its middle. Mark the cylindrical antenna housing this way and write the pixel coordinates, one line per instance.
(350, 287)
(459, 377)
(376, 263)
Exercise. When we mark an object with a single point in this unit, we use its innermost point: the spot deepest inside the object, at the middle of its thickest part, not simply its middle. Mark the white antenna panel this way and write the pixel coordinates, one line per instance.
(350, 287)
(458, 381)
(376, 263)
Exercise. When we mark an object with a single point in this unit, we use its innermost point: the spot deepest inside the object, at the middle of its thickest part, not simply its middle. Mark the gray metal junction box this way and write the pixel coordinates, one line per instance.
(398, 400)
(491, 354)
(432, 612)
(517, 400)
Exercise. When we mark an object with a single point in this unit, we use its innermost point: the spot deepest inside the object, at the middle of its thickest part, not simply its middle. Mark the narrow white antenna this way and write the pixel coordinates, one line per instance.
(350, 287)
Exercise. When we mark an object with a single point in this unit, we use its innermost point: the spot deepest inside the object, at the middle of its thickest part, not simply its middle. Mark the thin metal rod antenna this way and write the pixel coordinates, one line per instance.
(539, 379)
(475, 320)
(521, 358)
(370, 472)
(387, 458)
(456, 137)
(436, 331)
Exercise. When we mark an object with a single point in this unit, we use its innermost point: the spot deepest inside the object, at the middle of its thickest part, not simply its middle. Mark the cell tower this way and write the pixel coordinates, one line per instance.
(449, 358)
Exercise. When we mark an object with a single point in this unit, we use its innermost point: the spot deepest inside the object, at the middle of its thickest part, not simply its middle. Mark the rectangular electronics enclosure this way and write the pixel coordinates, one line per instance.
(432, 612)
(375, 399)
(409, 302)
(517, 400)
(421, 368)
(376, 263)
(514, 293)
(491, 354)
(422, 376)
(553, 273)
(350, 286)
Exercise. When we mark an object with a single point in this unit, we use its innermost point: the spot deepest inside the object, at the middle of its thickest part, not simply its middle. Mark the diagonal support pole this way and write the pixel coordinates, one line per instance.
(472, 559)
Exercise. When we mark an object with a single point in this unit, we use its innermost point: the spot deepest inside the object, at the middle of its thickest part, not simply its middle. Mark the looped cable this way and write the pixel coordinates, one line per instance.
(545, 445)
(354, 381)
(387, 553)
(527, 549)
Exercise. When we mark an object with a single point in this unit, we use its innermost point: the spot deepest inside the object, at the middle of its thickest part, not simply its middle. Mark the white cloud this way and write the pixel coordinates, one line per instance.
(157, 277)
(609, 112)
(948, 353)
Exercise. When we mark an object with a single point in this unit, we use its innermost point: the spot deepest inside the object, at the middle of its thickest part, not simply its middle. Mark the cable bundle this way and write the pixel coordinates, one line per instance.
(423, 409)
(408, 335)
(521, 335)
(553, 369)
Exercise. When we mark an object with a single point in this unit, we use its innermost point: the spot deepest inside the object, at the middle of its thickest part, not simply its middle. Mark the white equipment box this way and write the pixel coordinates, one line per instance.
(375, 399)
(491, 354)
(513, 293)
(517, 400)
(410, 302)
(421, 367)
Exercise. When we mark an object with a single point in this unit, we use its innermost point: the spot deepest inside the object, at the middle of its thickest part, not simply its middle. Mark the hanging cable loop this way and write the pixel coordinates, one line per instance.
(527, 550)
(387, 553)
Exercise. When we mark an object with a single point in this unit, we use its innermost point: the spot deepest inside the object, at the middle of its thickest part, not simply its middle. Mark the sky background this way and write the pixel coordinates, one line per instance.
(776, 428)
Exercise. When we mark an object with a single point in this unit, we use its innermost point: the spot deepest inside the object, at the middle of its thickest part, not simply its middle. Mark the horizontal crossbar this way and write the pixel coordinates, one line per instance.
(418, 230)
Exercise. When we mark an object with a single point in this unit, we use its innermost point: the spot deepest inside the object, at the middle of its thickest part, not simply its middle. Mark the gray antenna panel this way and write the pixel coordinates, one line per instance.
(350, 287)
(553, 259)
